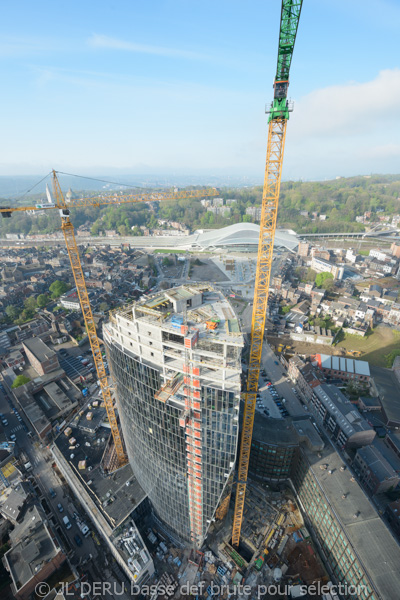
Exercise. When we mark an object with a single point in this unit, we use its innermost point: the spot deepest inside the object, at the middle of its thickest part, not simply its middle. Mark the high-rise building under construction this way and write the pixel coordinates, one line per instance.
(175, 359)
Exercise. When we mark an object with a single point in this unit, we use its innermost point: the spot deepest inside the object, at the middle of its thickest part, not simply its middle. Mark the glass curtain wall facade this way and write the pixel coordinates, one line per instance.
(271, 462)
(155, 441)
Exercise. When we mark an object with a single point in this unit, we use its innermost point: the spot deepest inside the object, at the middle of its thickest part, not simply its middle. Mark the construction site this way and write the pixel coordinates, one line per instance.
(276, 553)
(162, 461)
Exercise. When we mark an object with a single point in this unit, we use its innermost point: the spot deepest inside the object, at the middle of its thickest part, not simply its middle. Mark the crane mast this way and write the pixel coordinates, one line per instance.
(73, 253)
(278, 116)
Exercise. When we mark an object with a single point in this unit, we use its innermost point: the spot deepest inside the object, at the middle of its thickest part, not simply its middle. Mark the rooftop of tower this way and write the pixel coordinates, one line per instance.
(192, 310)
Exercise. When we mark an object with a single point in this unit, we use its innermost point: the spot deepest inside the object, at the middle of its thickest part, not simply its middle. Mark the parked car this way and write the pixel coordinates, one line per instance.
(60, 507)
(52, 493)
(78, 540)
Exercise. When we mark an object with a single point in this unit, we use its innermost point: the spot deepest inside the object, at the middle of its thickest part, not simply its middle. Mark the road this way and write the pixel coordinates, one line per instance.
(276, 374)
(46, 478)
(283, 386)
(93, 556)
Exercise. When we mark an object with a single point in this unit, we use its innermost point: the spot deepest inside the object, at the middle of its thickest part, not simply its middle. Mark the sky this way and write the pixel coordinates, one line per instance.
(180, 86)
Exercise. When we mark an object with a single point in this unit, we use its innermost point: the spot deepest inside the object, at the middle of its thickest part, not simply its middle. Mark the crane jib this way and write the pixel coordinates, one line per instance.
(290, 15)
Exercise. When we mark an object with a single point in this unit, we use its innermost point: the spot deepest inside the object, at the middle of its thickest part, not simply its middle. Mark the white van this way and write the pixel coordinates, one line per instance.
(84, 529)
(67, 523)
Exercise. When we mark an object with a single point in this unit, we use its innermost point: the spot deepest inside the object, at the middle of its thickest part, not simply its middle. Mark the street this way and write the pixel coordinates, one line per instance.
(282, 385)
(275, 373)
(46, 478)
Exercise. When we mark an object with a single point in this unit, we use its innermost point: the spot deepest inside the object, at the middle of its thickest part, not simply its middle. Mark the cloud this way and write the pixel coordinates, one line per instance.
(14, 46)
(105, 42)
(350, 109)
(381, 152)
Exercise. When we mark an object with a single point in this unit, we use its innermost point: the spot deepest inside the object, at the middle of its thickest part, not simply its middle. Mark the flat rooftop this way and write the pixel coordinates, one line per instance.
(200, 307)
(54, 401)
(32, 547)
(131, 546)
(116, 494)
(370, 538)
(39, 349)
(286, 432)
(34, 413)
(388, 388)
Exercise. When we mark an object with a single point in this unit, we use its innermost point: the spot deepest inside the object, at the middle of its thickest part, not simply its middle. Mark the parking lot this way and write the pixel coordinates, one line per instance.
(75, 369)
(269, 401)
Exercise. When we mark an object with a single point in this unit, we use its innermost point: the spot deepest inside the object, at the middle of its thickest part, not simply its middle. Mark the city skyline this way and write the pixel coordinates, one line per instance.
(182, 88)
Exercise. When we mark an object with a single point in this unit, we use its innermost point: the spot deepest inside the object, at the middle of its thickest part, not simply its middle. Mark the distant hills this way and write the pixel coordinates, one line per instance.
(337, 205)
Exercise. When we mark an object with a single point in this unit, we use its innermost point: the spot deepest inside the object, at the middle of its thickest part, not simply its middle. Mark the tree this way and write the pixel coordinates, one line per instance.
(123, 230)
(58, 288)
(310, 275)
(20, 380)
(42, 300)
(137, 231)
(25, 316)
(12, 312)
(103, 306)
(328, 284)
(97, 225)
(167, 262)
(321, 277)
(284, 310)
(30, 304)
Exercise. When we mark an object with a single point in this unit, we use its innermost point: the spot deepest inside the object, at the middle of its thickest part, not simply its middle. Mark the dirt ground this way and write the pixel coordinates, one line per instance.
(304, 561)
(374, 347)
(304, 347)
(207, 271)
(385, 282)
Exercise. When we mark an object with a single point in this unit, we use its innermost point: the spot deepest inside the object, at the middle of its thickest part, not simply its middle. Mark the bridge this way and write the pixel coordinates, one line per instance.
(389, 232)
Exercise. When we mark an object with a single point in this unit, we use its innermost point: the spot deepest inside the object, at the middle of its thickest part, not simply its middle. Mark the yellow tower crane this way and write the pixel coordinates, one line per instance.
(278, 116)
(73, 253)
